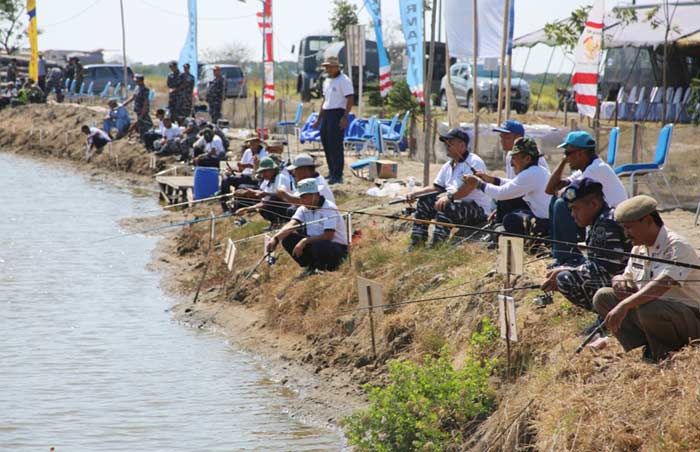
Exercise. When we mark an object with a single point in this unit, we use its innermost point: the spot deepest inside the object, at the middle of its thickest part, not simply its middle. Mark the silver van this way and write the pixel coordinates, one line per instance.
(100, 74)
(236, 85)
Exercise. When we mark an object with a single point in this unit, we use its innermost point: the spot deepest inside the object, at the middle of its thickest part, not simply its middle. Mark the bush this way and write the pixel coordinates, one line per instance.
(400, 98)
(424, 407)
(375, 99)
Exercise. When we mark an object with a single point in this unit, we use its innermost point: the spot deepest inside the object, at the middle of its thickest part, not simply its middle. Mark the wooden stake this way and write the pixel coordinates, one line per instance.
(427, 93)
(501, 65)
(475, 81)
(636, 141)
(371, 322)
(509, 262)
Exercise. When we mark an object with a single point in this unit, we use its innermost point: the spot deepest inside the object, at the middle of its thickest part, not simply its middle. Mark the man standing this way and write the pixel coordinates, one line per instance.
(187, 92)
(142, 106)
(216, 92)
(316, 236)
(79, 74)
(41, 71)
(174, 83)
(337, 102)
(589, 210)
(652, 305)
(580, 155)
(449, 200)
(11, 72)
(55, 83)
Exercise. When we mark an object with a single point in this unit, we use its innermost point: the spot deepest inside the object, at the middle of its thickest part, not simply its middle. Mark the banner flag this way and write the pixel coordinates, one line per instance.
(587, 57)
(33, 33)
(188, 54)
(412, 25)
(265, 25)
(375, 10)
(458, 15)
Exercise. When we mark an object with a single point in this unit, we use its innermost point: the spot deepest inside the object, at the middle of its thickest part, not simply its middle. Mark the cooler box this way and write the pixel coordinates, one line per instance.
(206, 182)
(383, 169)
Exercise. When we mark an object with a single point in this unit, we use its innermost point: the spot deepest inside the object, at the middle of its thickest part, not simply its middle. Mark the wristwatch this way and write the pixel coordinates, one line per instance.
(451, 197)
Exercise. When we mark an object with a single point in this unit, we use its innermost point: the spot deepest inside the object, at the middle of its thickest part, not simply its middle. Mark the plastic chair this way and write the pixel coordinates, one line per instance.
(117, 89)
(627, 108)
(297, 117)
(653, 109)
(394, 139)
(663, 146)
(360, 133)
(308, 134)
(90, 89)
(71, 88)
(151, 95)
(613, 141)
(105, 90)
(674, 104)
(682, 114)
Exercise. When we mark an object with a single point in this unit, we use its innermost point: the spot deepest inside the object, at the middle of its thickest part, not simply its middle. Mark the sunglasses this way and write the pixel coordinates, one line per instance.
(568, 152)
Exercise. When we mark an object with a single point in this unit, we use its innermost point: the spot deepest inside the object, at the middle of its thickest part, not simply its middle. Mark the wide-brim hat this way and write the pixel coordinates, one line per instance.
(266, 164)
(331, 61)
(301, 161)
(251, 139)
(306, 186)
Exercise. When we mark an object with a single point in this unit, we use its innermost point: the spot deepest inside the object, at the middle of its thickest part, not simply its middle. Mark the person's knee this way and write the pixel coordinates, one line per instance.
(513, 223)
(604, 300)
(650, 313)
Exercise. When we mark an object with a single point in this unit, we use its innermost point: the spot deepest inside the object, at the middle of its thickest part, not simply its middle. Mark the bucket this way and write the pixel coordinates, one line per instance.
(206, 182)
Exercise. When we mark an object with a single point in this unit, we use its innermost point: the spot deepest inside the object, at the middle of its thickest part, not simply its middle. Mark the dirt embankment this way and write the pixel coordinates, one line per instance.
(319, 341)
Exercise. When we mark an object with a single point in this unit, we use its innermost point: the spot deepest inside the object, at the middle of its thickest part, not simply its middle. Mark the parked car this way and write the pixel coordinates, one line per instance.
(236, 84)
(100, 74)
(463, 87)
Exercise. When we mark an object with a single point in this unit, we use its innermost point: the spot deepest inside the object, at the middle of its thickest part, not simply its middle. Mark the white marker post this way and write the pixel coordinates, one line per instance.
(370, 295)
(510, 262)
(230, 255)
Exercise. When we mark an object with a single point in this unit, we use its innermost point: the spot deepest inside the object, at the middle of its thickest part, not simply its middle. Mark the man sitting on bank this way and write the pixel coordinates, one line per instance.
(508, 133)
(304, 167)
(117, 118)
(270, 205)
(316, 236)
(448, 200)
(243, 178)
(527, 185)
(209, 149)
(169, 143)
(580, 155)
(654, 305)
(589, 210)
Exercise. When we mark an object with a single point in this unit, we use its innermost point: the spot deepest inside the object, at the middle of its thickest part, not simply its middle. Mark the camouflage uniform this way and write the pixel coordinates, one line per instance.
(187, 92)
(580, 283)
(141, 98)
(78, 76)
(215, 97)
(175, 98)
(463, 212)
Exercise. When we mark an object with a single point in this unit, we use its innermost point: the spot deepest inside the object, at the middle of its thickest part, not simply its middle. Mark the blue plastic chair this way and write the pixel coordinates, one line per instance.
(90, 89)
(308, 134)
(394, 138)
(71, 88)
(117, 89)
(360, 133)
(105, 90)
(151, 95)
(663, 146)
(613, 141)
(297, 117)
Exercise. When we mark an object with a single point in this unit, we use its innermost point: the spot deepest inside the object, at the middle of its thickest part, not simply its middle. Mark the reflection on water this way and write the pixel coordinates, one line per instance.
(90, 359)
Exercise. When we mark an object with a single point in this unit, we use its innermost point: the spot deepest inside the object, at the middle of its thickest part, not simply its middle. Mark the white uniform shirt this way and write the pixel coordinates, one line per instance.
(281, 181)
(510, 172)
(450, 179)
(95, 132)
(601, 172)
(248, 159)
(216, 145)
(671, 246)
(327, 217)
(528, 184)
(171, 133)
(335, 90)
(324, 189)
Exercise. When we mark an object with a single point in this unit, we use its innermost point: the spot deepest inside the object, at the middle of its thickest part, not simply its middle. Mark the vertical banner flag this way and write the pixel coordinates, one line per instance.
(265, 24)
(188, 54)
(412, 24)
(375, 11)
(587, 56)
(511, 27)
(458, 15)
(33, 40)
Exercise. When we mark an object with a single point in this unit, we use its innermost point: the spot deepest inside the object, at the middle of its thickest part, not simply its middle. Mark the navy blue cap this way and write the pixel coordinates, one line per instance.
(456, 132)
(579, 188)
(511, 126)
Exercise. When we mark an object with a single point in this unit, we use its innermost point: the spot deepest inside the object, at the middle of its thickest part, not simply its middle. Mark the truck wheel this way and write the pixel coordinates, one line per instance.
(443, 100)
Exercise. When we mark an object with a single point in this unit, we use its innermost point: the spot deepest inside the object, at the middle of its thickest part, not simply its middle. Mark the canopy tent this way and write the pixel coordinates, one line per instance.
(685, 30)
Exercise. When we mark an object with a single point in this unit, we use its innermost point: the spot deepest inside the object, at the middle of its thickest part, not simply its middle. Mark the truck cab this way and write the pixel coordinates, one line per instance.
(311, 50)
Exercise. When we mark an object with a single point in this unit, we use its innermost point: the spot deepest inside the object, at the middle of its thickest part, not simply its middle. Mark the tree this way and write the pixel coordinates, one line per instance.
(11, 31)
(344, 14)
(233, 52)
(565, 33)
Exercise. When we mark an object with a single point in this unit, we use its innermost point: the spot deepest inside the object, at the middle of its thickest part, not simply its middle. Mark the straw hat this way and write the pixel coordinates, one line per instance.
(331, 61)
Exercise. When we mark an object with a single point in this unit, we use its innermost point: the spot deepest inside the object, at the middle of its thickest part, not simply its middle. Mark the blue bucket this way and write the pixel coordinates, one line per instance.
(206, 182)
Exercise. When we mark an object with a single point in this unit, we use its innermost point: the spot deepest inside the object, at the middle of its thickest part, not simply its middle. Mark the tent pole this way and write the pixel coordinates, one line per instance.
(544, 79)
(527, 58)
(509, 84)
(475, 82)
(556, 78)
(501, 63)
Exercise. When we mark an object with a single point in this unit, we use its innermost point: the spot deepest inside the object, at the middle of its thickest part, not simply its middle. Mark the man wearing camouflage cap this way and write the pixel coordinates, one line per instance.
(652, 305)
(588, 207)
(527, 184)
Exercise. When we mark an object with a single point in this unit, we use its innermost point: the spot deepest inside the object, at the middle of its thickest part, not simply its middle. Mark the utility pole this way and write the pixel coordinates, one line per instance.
(126, 75)
(427, 93)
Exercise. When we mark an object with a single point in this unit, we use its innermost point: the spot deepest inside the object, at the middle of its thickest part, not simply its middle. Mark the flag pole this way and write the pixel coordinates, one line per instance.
(475, 88)
(427, 94)
(501, 65)
(126, 75)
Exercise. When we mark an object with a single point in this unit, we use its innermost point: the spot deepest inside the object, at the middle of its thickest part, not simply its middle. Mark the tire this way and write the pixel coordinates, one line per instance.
(443, 100)
(521, 109)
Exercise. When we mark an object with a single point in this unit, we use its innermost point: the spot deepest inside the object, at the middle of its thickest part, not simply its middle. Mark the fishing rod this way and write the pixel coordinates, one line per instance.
(598, 329)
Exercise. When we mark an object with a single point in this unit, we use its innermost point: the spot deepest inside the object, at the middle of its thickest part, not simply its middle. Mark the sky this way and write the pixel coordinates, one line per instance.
(155, 29)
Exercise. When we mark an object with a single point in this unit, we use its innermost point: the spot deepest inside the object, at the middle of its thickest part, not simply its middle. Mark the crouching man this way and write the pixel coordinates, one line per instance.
(652, 305)
(316, 236)
(448, 200)
(589, 210)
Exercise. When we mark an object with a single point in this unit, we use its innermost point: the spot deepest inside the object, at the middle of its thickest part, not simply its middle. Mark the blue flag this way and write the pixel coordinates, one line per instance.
(412, 24)
(188, 54)
(374, 9)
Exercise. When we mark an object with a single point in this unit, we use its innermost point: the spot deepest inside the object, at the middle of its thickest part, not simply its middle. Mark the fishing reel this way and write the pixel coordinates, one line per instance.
(271, 259)
(541, 301)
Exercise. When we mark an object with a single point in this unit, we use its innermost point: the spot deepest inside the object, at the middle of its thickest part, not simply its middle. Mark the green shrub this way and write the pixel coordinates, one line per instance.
(424, 407)
(400, 98)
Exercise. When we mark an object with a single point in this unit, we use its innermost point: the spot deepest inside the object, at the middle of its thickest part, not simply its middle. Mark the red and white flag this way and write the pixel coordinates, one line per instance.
(587, 56)
(265, 25)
